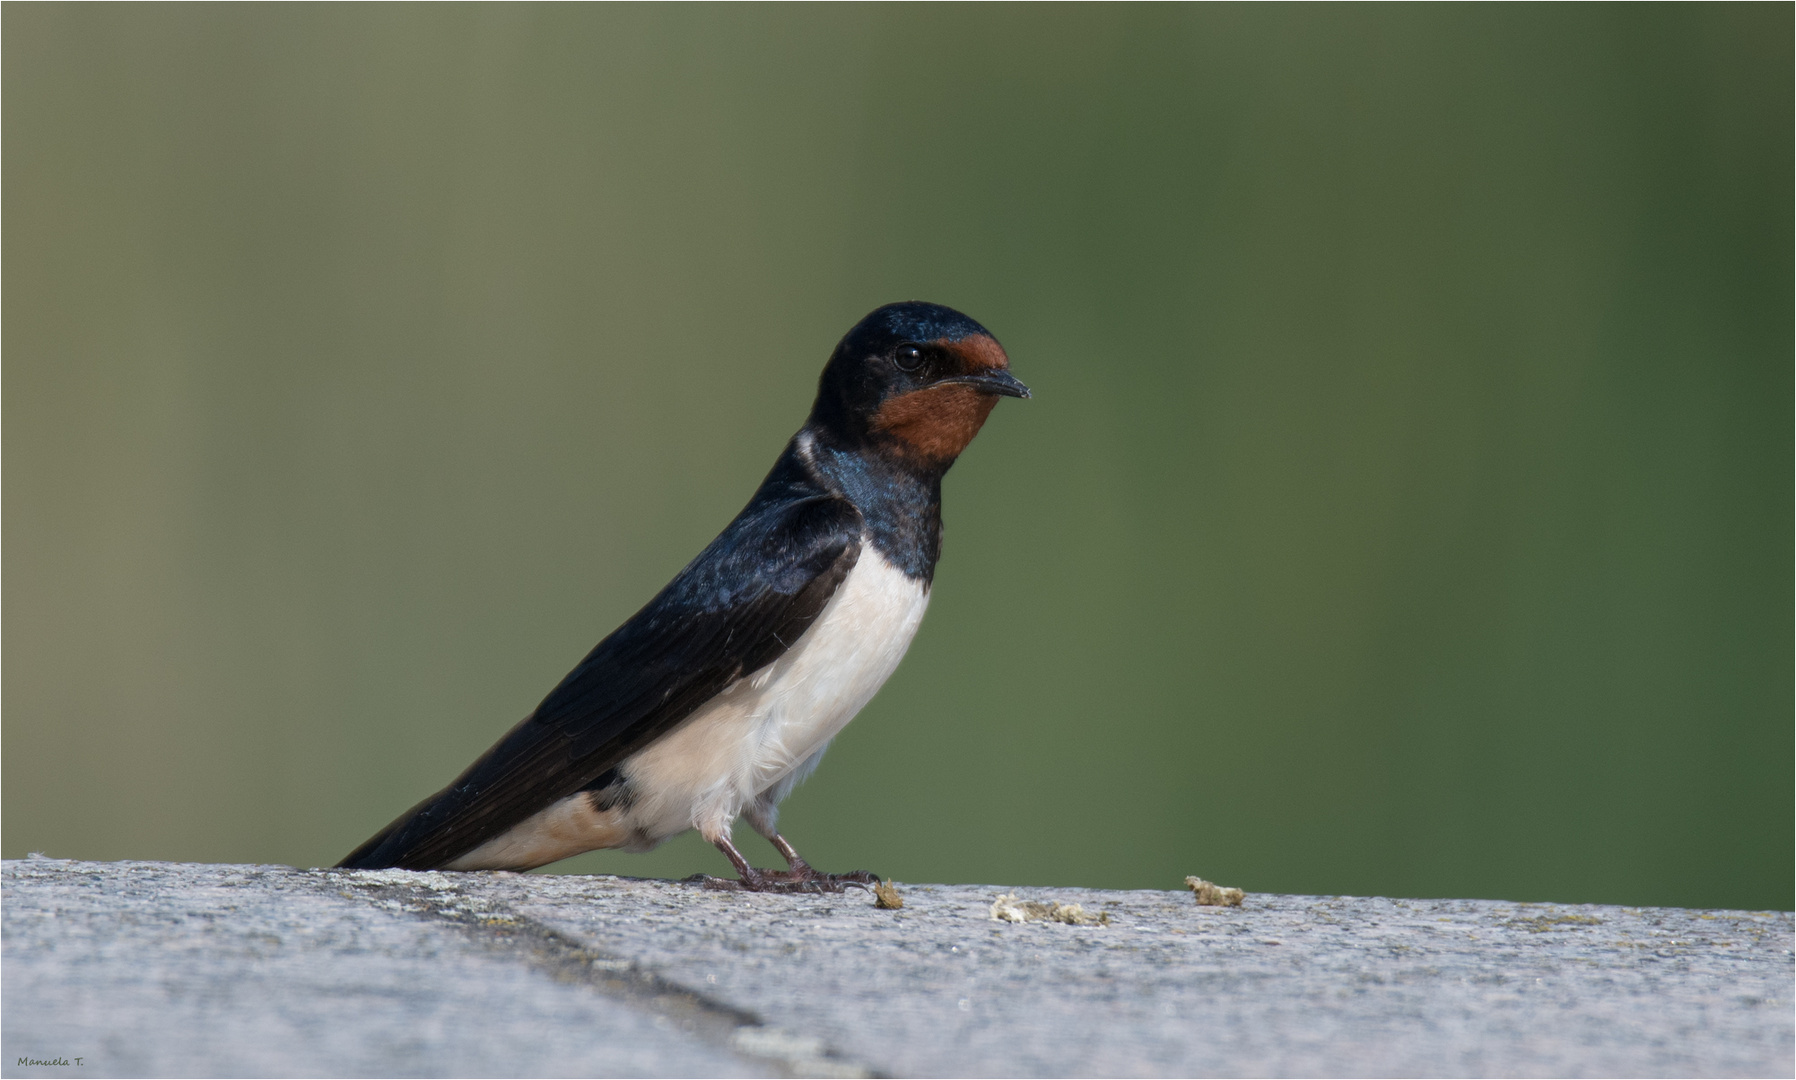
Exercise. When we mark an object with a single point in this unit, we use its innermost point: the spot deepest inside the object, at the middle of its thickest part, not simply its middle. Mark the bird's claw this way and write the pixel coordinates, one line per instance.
(806, 880)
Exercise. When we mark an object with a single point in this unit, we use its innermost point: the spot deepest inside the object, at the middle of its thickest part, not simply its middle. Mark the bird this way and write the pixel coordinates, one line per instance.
(721, 694)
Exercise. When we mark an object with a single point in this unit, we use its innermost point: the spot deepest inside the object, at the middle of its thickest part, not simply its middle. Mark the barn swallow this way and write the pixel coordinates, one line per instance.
(717, 698)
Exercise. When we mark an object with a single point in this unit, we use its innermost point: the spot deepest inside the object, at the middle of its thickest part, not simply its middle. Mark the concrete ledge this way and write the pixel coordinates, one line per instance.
(158, 969)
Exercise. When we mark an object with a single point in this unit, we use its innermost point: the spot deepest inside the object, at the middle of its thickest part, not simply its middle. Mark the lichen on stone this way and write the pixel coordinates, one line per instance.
(1210, 894)
(1008, 908)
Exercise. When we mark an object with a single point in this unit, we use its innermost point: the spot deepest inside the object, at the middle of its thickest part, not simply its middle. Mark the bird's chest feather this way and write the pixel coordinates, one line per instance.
(749, 737)
(809, 694)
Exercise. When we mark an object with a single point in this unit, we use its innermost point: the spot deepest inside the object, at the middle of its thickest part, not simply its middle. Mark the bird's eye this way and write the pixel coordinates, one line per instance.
(910, 358)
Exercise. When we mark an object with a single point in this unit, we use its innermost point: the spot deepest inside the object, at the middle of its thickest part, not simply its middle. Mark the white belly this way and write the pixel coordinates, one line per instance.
(753, 735)
(744, 742)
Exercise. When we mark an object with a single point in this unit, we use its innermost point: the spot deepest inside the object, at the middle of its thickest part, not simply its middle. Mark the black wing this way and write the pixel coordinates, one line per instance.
(734, 609)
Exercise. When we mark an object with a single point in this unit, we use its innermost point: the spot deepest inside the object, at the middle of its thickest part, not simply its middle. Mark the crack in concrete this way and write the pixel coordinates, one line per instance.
(498, 929)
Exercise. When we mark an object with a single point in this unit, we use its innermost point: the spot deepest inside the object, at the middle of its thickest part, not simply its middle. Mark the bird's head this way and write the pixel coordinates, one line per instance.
(913, 380)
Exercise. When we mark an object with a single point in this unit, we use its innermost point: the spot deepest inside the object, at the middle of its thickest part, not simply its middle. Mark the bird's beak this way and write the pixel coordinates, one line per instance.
(996, 381)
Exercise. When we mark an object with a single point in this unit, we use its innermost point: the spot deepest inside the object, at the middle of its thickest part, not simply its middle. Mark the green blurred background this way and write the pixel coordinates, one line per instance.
(1405, 506)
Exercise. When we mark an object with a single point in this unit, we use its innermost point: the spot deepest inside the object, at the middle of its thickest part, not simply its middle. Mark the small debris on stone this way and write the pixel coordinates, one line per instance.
(885, 895)
(1008, 908)
(1210, 894)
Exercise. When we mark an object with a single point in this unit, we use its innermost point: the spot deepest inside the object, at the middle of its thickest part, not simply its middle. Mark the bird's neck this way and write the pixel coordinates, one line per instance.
(900, 500)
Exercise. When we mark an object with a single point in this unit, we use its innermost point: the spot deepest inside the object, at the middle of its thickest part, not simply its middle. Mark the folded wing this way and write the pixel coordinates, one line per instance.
(736, 608)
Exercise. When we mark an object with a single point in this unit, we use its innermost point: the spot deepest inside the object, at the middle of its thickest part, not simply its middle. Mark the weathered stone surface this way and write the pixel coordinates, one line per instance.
(162, 969)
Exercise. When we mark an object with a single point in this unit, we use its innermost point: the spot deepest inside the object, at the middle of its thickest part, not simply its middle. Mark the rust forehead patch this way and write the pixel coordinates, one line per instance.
(980, 352)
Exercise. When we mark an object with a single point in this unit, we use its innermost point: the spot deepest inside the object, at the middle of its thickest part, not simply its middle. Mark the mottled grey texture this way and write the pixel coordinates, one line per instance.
(1285, 985)
(161, 969)
(153, 969)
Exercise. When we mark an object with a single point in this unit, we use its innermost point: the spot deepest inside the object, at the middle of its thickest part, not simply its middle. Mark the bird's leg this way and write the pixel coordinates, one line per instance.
(800, 879)
(751, 879)
(761, 815)
(791, 855)
(803, 871)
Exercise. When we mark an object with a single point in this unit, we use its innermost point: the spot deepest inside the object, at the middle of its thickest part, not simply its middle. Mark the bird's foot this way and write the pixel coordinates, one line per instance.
(798, 880)
(801, 878)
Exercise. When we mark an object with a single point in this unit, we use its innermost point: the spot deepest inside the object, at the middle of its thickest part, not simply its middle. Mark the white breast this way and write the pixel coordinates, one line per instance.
(753, 735)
